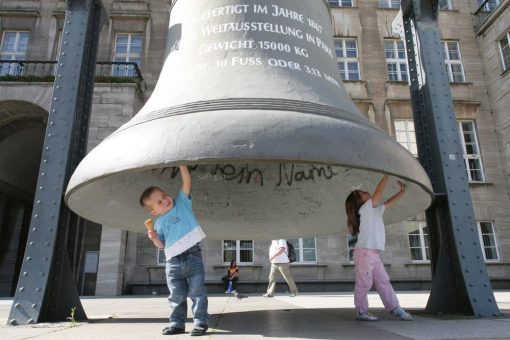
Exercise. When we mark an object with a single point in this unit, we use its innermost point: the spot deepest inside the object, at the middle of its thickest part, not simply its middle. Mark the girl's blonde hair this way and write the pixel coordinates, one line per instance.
(352, 205)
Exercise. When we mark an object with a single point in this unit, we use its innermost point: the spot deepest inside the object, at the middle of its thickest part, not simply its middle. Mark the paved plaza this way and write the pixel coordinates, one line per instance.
(307, 316)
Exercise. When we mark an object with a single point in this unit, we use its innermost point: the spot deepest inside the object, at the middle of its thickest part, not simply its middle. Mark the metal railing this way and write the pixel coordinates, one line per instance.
(44, 71)
(484, 10)
(21, 70)
(119, 72)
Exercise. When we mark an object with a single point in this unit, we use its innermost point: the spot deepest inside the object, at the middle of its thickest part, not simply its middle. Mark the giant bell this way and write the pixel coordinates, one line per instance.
(250, 98)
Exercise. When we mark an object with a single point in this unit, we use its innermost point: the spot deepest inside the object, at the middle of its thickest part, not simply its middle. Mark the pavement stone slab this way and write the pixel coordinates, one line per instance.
(307, 316)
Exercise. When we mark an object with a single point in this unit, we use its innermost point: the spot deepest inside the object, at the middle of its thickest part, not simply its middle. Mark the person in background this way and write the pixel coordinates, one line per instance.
(231, 278)
(280, 264)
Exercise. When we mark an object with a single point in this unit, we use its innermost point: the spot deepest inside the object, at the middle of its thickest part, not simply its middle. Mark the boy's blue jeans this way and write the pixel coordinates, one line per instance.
(185, 276)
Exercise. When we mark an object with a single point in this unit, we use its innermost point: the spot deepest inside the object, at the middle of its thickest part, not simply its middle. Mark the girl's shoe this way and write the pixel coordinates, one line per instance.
(366, 316)
(402, 314)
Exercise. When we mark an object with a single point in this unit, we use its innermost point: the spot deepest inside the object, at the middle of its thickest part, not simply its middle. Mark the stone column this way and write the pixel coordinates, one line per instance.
(112, 254)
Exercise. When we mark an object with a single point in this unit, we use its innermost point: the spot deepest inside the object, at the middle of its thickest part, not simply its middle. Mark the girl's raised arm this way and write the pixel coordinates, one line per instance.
(391, 202)
(376, 197)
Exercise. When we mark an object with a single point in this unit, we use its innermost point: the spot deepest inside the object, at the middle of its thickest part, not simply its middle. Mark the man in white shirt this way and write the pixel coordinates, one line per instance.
(280, 263)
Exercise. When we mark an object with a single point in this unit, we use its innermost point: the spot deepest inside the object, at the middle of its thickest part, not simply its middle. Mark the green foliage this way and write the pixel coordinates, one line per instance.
(115, 80)
(50, 79)
(28, 79)
(72, 317)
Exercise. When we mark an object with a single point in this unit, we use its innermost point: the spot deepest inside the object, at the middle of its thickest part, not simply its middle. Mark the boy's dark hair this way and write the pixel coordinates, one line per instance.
(147, 193)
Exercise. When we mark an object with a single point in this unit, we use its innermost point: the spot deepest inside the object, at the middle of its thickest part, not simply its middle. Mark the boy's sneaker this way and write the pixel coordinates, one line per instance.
(366, 316)
(402, 314)
(293, 294)
(267, 295)
(171, 330)
(199, 330)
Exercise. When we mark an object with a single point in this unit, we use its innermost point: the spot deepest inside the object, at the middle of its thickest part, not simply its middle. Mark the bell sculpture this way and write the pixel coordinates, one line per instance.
(250, 98)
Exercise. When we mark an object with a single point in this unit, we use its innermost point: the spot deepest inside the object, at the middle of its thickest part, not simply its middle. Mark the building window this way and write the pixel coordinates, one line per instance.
(305, 249)
(453, 61)
(161, 257)
(419, 244)
(504, 45)
(239, 250)
(389, 3)
(445, 4)
(347, 58)
(14, 47)
(58, 46)
(128, 48)
(489, 5)
(405, 135)
(471, 151)
(396, 60)
(488, 241)
(351, 244)
(342, 3)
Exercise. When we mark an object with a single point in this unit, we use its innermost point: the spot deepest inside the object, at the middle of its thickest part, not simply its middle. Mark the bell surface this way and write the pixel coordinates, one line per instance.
(250, 98)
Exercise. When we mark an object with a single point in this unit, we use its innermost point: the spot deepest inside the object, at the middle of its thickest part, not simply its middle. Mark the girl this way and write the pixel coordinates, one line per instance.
(365, 220)
(232, 275)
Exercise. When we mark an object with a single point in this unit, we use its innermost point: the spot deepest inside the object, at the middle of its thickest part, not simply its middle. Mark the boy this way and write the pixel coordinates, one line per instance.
(178, 232)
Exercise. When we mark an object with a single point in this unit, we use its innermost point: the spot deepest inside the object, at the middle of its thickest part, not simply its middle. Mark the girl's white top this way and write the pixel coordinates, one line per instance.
(371, 227)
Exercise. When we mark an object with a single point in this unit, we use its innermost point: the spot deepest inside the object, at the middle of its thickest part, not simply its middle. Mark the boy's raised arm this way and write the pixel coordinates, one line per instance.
(186, 179)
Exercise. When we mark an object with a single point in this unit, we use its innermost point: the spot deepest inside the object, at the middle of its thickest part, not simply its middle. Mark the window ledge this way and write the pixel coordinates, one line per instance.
(354, 81)
(223, 266)
(417, 263)
(398, 82)
(351, 264)
(428, 263)
(463, 83)
(299, 264)
(449, 10)
(480, 183)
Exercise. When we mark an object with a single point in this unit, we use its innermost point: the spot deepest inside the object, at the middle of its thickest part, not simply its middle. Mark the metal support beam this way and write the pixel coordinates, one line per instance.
(46, 289)
(460, 283)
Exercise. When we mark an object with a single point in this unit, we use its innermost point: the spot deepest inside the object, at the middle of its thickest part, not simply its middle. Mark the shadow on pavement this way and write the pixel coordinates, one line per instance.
(283, 323)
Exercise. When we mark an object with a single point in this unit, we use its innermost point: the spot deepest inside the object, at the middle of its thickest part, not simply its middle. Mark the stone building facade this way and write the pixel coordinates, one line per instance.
(373, 65)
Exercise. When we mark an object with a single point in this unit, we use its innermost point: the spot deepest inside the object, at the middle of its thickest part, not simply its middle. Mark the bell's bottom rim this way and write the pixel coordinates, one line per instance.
(234, 161)
(322, 143)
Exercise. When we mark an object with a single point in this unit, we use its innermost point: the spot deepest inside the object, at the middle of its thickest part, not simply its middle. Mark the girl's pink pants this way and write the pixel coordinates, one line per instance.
(369, 270)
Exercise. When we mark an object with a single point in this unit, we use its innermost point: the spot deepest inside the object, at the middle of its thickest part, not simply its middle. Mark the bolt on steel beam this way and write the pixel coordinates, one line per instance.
(46, 289)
